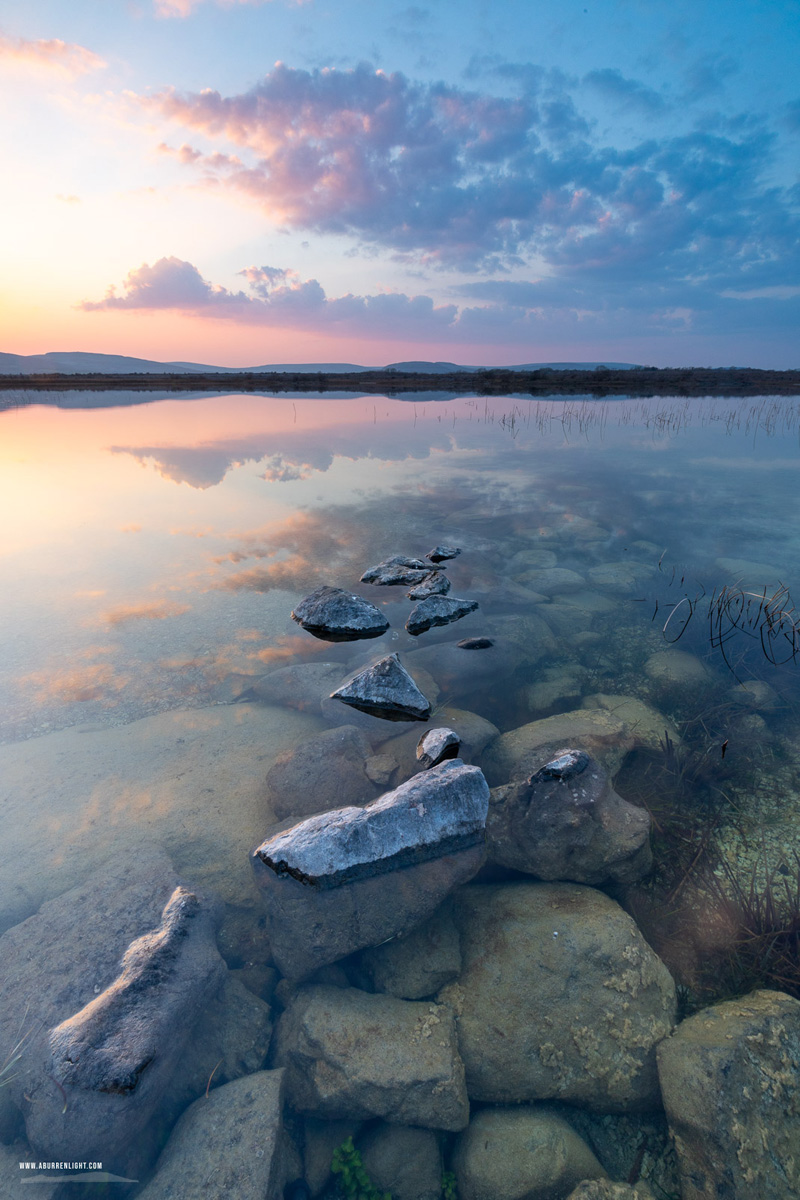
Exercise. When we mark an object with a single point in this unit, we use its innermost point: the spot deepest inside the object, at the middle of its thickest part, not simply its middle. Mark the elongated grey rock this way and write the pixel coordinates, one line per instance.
(338, 616)
(438, 610)
(343, 880)
(436, 745)
(440, 553)
(434, 584)
(397, 570)
(386, 690)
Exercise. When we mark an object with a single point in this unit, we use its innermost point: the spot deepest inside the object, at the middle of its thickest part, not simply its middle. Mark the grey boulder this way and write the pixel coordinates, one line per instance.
(418, 964)
(320, 773)
(229, 1143)
(526, 1153)
(730, 1078)
(385, 689)
(405, 1162)
(438, 610)
(338, 616)
(112, 1060)
(343, 880)
(559, 998)
(566, 822)
(397, 570)
(436, 745)
(350, 1054)
(440, 553)
(434, 584)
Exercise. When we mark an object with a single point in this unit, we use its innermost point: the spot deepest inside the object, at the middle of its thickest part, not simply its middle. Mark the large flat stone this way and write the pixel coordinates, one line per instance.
(438, 610)
(343, 880)
(397, 570)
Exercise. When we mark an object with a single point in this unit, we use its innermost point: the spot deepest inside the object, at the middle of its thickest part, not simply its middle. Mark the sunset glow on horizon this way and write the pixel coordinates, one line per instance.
(246, 183)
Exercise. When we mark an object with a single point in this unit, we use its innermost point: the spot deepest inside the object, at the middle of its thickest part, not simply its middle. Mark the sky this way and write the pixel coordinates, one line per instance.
(252, 181)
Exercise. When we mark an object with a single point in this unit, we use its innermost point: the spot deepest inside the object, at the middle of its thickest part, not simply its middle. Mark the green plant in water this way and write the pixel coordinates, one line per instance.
(449, 1191)
(354, 1182)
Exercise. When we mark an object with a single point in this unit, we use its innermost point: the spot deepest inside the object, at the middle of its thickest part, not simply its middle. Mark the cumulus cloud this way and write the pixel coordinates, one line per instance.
(276, 297)
(440, 174)
(53, 55)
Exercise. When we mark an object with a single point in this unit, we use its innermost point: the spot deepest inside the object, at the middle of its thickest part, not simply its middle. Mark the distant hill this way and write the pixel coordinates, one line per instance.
(75, 361)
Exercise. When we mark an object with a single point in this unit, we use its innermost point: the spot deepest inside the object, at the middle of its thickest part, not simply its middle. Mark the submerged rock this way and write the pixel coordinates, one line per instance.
(419, 963)
(338, 616)
(350, 1054)
(229, 1143)
(318, 774)
(516, 754)
(474, 732)
(559, 998)
(112, 1060)
(475, 643)
(519, 1154)
(435, 584)
(459, 672)
(566, 822)
(385, 690)
(730, 1078)
(438, 610)
(441, 553)
(352, 878)
(406, 1163)
(397, 570)
(436, 745)
(302, 686)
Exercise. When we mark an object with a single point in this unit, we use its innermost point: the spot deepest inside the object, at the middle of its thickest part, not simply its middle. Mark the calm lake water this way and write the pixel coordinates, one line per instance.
(152, 555)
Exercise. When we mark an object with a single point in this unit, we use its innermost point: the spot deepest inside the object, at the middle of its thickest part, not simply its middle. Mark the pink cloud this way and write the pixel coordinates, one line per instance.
(64, 58)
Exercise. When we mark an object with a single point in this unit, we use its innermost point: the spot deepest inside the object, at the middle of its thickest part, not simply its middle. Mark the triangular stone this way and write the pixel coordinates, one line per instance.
(386, 690)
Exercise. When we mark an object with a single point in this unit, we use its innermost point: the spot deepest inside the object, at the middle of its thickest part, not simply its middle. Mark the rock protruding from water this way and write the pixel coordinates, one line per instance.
(112, 1060)
(351, 1054)
(436, 745)
(441, 553)
(435, 584)
(397, 570)
(338, 616)
(559, 998)
(385, 689)
(344, 880)
(566, 822)
(438, 610)
(730, 1078)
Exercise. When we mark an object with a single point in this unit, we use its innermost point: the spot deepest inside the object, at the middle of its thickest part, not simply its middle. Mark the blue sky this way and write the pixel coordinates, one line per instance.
(255, 182)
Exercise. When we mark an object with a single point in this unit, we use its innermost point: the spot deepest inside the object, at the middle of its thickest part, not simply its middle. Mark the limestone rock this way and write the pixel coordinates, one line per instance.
(404, 1162)
(436, 745)
(397, 570)
(302, 686)
(441, 553)
(320, 774)
(438, 610)
(419, 963)
(475, 733)
(338, 616)
(518, 753)
(350, 1054)
(527, 1153)
(604, 1189)
(730, 1078)
(65, 959)
(647, 725)
(112, 1060)
(677, 669)
(435, 584)
(230, 1143)
(559, 998)
(552, 581)
(385, 690)
(566, 822)
(351, 878)
(230, 1040)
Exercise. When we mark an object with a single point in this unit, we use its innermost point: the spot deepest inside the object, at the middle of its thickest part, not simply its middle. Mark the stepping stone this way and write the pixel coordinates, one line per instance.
(436, 745)
(386, 690)
(338, 616)
(434, 584)
(438, 610)
(440, 553)
(397, 570)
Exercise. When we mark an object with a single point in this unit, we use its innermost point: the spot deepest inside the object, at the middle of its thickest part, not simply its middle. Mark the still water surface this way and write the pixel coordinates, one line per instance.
(152, 556)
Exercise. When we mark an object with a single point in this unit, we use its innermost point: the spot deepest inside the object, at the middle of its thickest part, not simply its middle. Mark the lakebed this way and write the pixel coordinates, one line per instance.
(633, 563)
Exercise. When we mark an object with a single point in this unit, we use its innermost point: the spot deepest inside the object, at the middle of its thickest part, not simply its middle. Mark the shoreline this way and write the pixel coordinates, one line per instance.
(601, 382)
